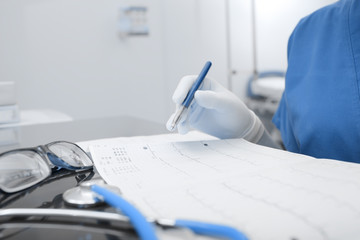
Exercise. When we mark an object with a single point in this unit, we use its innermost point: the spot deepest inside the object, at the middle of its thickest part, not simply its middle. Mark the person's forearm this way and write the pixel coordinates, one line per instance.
(258, 134)
(267, 140)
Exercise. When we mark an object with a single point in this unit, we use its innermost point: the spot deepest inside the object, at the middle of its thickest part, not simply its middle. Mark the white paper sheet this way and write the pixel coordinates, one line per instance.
(266, 193)
(160, 138)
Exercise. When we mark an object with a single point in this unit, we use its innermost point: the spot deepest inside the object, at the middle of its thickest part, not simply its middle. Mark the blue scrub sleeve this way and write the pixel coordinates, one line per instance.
(319, 113)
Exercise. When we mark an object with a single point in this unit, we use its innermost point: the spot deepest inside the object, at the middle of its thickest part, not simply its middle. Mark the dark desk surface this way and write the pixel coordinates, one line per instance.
(48, 194)
(83, 130)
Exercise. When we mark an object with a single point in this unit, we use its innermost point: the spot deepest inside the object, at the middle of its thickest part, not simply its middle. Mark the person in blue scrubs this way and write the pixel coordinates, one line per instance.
(319, 113)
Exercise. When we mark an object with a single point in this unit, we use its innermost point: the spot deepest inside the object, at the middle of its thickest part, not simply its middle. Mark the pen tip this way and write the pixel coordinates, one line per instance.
(171, 127)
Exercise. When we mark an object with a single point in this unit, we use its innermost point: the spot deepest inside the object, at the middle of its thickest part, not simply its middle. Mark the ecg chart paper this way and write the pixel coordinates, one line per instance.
(266, 193)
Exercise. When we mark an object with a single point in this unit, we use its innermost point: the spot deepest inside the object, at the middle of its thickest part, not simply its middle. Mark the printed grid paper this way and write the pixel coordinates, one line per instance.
(264, 192)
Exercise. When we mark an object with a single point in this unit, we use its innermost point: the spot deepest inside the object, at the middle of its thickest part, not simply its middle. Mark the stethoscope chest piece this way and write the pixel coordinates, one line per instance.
(83, 197)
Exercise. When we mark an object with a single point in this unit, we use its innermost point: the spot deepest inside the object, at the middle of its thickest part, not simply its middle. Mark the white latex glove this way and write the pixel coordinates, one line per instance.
(216, 111)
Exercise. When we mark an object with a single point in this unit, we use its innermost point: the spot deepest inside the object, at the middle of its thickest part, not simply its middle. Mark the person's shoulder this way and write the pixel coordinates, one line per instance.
(354, 16)
(322, 14)
(342, 11)
(332, 16)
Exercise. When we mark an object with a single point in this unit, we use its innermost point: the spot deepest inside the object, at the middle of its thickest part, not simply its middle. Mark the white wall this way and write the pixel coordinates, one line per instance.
(67, 54)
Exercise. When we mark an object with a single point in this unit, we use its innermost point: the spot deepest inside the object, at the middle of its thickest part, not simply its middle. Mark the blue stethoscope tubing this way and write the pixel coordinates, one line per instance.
(146, 230)
(213, 230)
(143, 228)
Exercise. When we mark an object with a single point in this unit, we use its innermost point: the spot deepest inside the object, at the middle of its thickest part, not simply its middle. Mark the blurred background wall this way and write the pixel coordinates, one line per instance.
(73, 55)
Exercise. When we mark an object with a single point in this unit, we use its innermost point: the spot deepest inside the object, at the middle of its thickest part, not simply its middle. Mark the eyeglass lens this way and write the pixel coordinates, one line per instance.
(22, 169)
(71, 154)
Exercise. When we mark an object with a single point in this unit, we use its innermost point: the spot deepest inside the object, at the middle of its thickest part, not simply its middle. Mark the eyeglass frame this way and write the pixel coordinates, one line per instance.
(43, 151)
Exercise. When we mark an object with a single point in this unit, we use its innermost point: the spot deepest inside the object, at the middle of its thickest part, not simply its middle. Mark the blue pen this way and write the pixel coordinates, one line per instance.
(190, 96)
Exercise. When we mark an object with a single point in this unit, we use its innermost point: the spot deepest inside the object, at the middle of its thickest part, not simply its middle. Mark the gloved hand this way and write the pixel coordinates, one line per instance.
(216, 111)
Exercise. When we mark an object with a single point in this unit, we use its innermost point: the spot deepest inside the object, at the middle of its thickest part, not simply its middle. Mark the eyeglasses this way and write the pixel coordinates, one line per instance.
(23, 168)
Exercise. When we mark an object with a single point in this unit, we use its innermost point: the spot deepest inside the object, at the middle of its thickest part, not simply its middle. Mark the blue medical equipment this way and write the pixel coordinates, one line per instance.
(263, 94)
(253, 91)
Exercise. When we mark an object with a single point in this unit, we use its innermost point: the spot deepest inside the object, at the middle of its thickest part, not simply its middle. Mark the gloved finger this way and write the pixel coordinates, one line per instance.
(183, 127)
(183, 88)
(223, 101)
(208, 99)
(183, 121)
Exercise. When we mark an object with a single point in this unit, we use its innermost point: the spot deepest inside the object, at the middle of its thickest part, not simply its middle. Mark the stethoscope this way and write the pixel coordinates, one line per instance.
(83, 197)
(94, 192)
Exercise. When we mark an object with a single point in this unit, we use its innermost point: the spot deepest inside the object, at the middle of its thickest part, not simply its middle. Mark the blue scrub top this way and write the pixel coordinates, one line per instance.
(319, 113)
